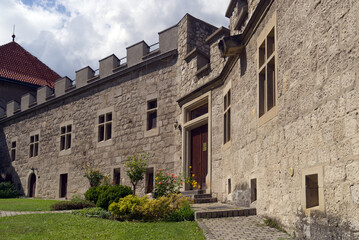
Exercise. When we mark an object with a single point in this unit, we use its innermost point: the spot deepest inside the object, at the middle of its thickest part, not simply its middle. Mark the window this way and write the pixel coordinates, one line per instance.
(229, 186)
(253, 190)
(65, 139)
(267, 72)
(267, 82)
(152, 114)
(149, 180)
(34, 145)
(312, 196)
(117, 176)
(227, 117)
(13, 151)
(312, 190)
(105, 127)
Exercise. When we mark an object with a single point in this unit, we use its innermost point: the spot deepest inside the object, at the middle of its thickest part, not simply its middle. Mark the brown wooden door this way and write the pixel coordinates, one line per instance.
(32, 186)
(199, 154)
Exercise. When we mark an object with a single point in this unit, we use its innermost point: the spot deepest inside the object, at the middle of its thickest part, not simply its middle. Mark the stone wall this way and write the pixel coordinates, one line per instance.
(126, 97)
(316, 125)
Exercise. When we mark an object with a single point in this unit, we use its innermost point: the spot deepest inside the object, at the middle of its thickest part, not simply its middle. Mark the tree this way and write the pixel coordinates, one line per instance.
(136, 168)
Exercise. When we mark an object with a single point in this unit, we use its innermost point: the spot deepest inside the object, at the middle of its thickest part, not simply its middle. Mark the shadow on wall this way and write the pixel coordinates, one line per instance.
(7, 171)
(243, 62)
(242, 195)
(323, 226)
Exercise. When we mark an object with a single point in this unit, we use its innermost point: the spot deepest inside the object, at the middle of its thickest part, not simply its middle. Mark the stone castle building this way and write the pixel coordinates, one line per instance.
(265, 112)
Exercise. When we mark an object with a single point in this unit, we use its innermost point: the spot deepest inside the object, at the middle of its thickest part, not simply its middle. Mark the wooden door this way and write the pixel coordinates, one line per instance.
(32, 186)
(199, 154)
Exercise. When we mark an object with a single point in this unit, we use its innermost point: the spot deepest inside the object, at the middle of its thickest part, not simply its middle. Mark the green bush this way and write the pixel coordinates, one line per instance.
(94, 192)
(7, 190)
(112, 194)
(93, 212)
(128, 208)
(94, 176)
(132, 207)
(184, 213)
(76, 203)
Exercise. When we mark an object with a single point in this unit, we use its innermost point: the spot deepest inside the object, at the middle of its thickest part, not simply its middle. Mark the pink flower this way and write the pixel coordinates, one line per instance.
(175, 181)
(159, 182)
(172, 175)
(160, 169)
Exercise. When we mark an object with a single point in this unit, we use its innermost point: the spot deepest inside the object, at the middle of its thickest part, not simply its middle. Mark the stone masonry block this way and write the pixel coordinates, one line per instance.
(352, 170)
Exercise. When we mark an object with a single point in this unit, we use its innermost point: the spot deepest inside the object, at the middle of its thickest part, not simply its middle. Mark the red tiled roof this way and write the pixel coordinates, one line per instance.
(18, 64)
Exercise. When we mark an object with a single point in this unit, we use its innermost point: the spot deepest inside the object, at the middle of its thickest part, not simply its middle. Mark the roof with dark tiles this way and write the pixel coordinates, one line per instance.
(18, 64)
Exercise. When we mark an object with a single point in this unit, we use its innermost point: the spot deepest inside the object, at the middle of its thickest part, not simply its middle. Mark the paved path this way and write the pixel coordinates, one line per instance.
(246, 228)
(13, 213)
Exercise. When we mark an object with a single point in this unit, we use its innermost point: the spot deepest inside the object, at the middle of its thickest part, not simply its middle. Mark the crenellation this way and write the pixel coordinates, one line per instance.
(27, 100)
(107, 65)
(12, 107)
(43, 93)
(136, 52)
(83, 75)
(62, 85)
(168, 39)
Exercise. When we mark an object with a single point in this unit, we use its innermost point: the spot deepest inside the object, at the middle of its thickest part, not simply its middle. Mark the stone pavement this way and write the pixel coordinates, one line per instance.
(246, 228)
(13, 213)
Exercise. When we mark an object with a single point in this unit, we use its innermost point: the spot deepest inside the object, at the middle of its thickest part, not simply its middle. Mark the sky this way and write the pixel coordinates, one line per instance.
(68, 35)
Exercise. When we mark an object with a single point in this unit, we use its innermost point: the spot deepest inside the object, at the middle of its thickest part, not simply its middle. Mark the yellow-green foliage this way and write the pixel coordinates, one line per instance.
(132, 207)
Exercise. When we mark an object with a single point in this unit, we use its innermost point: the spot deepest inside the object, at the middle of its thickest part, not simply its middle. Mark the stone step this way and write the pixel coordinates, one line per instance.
(192, 192)
(205, 195)
(225, 213)
(205, 200)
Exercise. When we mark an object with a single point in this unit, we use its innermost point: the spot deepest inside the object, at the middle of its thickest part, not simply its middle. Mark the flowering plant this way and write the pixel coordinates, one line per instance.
(166, 184)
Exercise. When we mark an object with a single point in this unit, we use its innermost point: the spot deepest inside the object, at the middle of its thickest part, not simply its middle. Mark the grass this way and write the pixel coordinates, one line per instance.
(68, 226)
(25, 204)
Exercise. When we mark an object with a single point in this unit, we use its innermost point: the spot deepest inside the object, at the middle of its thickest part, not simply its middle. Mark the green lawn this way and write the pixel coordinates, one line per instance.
(68, 226)
(25, 204)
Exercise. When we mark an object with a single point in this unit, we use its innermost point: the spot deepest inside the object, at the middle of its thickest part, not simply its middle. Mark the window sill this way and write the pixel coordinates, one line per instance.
(268, 116)
(152, 132)
(226, 146)
(308, 211)
(65, 152)
(105, 143)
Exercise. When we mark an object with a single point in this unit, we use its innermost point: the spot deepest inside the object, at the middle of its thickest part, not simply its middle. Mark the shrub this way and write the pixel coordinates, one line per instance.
(184, 213)
(127, 208)
(7, 190)
(112, 194)
(76, 203)
(132, 207)
(94, 192)
(93, 212)
(166, 184)
(94, 176)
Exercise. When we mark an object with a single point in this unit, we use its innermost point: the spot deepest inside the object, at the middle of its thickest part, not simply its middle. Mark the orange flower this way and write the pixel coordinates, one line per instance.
(172, 175)
(175, 181)
(159, 182)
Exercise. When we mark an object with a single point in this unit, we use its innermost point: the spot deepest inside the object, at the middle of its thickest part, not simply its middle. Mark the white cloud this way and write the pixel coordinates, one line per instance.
(70, 34)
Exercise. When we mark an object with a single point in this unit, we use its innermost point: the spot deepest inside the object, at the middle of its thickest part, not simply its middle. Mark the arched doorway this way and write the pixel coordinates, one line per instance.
(32, 185)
